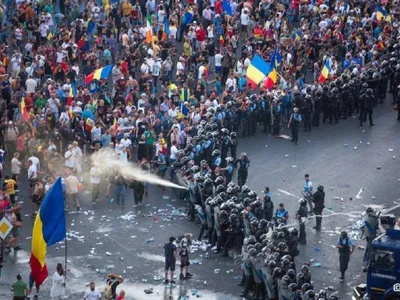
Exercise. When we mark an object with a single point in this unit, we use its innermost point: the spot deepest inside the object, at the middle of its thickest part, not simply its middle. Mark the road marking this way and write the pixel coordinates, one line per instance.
(288, 193)
(152, 257)
(358, 196)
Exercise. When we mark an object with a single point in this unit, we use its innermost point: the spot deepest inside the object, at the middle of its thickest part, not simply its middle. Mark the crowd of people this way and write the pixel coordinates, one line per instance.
(177, 99)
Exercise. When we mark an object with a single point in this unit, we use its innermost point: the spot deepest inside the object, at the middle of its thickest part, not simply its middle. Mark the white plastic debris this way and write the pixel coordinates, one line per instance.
(216, 271)
(390, 150)
(108, 253)
(355, 148)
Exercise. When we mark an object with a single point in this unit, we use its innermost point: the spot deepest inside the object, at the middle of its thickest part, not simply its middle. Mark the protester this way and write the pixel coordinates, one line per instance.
(92, 293)
(57, 291)
(113, 280)
(20, 289)
(57, 99)
(170, 253)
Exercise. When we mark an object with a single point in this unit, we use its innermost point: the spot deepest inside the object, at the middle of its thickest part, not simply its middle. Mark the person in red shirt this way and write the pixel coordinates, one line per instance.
(121, 295)
(200, 35)
(218, 7)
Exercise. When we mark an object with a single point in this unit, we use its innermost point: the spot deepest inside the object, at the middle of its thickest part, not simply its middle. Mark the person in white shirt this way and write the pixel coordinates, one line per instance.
(218, 63)
(231, 83)
(31, 85)
(180, 66)
(172, 158)
(95, 180)
(72, 189)
(77, 155)
(127, 143)
(44, 30)
(32, 173)
(156, 72)
(92, 293)
(57, 291)
(69, 159)
(15, 167)
(244, 22)
(35, 161)
(96, 132)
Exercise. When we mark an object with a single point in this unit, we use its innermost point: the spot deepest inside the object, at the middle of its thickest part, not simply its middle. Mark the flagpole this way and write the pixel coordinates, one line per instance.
(65, 260)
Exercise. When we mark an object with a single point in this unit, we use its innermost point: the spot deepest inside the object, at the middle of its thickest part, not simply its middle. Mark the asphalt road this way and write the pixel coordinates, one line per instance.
(343, 157)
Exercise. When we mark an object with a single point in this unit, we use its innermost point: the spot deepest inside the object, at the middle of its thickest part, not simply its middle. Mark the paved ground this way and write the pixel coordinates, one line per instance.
(343, 157)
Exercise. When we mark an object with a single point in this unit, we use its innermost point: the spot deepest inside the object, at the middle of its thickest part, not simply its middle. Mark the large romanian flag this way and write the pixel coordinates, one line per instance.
(325, 72)
(257, 70)
(99, 74)
(48, 229)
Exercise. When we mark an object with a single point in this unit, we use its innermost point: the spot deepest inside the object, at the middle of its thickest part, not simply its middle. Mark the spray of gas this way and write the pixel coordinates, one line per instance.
(109, 162)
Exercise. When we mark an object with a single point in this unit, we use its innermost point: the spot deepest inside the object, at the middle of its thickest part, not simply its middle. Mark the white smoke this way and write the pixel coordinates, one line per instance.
(109, 162)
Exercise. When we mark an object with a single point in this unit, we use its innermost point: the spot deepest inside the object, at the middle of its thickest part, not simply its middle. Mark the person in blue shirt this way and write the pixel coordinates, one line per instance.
(228, 169)
(346, 247)
(294, 124)
(282, 214)
(307, 192)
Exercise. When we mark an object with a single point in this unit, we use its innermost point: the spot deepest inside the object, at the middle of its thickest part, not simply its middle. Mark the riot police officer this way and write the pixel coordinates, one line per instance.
(265, 113)
(319, 204)
(233, 144)
(346, 247)
(317, 108)
(302, 215)
(366, 101)
(307, 112)
(243, 171)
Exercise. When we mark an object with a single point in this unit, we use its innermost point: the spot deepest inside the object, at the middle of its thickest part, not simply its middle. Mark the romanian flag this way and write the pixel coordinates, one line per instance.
(24, 111)
(271, 79)
(381, 13)
(325, 72)
(257, 70)
(99, 74)
(72, 94)
(149, 30)
(49, 228)
(89, 124)
(70, 113)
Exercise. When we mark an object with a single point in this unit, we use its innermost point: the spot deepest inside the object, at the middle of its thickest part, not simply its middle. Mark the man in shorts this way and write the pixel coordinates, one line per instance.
(31, 282)
(184, 254)
(170, 259)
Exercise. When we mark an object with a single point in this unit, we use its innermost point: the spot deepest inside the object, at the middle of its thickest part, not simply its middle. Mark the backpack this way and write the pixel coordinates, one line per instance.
(108, 291)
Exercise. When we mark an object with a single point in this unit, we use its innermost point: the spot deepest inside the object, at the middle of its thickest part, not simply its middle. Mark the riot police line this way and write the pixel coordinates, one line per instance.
(234, 217)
